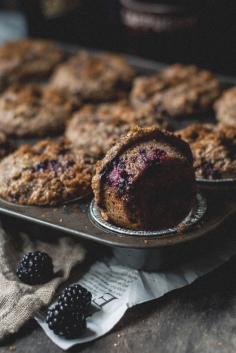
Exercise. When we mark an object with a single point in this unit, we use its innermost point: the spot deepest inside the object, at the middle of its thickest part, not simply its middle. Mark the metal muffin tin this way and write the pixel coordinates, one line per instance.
(195, 215)
(141, 250)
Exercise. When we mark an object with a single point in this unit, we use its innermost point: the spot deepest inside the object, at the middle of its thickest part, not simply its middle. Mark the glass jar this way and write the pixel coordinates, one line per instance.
(167, 31)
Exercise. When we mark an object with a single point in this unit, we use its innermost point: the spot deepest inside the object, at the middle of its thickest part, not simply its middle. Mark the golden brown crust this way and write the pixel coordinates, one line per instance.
(47, 173)
(28, 59)
(97, 127)
(213, 147)
(35, 110)
(94, 77)
(177, 91)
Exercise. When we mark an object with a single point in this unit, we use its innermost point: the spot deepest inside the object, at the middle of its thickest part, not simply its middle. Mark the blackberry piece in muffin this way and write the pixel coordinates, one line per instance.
(94, 77)
(225, 107)
(47, 173)
(178, 91)
(97, 127)
(35, 110)
(27, 60)
(146, 181)
(214, 150)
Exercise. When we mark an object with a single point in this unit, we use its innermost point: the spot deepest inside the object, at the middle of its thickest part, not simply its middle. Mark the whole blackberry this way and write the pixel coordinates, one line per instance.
(77, 297)
(35, 268)
(65, 321)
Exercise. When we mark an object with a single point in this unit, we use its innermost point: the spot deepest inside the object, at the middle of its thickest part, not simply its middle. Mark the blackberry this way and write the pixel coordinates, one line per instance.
(65, 321)
(35, 268)
(77, 297)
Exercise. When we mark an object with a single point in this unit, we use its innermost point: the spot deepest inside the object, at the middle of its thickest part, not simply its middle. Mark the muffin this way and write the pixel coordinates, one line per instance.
(94, 77)
(225, 107)
(27, 60)
(47, 173)
(178, 91)
(34, 110)
(214, 150)
(96, 128)
(146, 181)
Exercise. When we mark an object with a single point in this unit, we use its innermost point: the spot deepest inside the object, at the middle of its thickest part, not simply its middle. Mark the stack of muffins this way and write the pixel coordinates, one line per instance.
(93, 108)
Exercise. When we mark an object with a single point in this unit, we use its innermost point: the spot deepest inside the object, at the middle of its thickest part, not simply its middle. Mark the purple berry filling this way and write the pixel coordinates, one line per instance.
(149, 156)
(120, 178)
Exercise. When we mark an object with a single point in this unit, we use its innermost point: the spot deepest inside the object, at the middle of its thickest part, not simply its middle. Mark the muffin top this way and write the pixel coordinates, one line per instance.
(47, 173)
(177, 91)
(28, 59)
(225, 107)
(97, 127)
(94, 77)
(35, 110)
(214, 149)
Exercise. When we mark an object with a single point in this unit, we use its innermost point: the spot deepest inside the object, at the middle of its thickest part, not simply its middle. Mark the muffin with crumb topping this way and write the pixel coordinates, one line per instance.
(35, 110)
(94, 77)
(47, 173)
(96, 128)
(178, 91)
(214, 149)
(28, 60)
(146, 181)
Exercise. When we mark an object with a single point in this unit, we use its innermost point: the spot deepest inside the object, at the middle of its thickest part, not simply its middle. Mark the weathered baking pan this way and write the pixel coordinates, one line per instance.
(146, 250)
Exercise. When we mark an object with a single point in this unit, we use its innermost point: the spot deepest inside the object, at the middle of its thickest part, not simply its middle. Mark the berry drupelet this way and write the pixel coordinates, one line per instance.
(65, 321)
(35, 268)
(76, 297)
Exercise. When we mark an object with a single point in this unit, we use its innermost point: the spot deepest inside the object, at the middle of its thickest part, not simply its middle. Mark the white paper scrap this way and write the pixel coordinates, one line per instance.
(116, 288)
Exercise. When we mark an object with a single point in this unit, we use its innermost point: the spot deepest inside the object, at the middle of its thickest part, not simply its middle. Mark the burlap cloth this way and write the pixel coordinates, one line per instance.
(18, 301)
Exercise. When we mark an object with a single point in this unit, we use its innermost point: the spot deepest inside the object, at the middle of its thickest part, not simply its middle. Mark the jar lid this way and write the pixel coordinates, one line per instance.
(161, 7)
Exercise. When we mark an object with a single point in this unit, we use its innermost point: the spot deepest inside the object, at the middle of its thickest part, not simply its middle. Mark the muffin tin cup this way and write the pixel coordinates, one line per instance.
(194, 216)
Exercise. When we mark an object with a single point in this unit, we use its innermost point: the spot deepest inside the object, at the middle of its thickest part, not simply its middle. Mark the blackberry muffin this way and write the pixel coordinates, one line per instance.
(146, 181)
(27, 60)
(34, 110)
(48, 173)
(6, 145)
(97, 127)
(94, 77)
(178, 91)
(225, 107)
(214, 150)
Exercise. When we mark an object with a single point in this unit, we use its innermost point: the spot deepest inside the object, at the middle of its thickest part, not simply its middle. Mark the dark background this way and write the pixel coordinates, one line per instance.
(200, 31)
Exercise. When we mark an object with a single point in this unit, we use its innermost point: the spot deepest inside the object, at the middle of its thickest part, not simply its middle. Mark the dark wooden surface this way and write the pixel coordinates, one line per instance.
(200, 318)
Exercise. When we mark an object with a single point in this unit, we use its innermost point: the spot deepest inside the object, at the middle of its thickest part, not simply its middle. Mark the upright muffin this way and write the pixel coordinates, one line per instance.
(94, 77)
(225, 107)
(96, 128)
(146, 181)
(178, 91)
(213, 148)
(35, 110)
(47, 173)
(27, 60)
